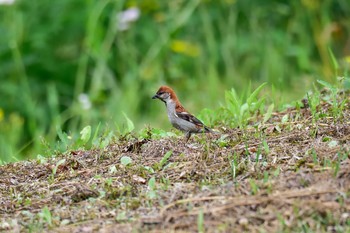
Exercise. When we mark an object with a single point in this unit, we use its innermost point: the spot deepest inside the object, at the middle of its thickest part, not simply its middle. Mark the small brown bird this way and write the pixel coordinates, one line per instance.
(179, 117)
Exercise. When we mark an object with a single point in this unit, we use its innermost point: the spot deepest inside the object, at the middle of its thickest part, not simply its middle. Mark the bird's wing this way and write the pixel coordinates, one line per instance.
(182, 113)
(190, 118)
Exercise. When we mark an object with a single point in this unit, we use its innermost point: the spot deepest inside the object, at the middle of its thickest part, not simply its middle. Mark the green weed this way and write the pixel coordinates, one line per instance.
(78, 68)
(200, 221)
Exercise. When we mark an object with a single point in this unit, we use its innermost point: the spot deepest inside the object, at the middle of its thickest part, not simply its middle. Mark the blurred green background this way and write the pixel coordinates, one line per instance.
(70, 63)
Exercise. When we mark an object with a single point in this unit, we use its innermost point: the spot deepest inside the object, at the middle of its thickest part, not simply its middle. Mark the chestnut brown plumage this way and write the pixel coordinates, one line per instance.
(179, 117)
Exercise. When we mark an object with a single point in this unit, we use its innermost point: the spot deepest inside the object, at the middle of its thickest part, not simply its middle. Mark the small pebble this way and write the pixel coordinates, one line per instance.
(243, 222)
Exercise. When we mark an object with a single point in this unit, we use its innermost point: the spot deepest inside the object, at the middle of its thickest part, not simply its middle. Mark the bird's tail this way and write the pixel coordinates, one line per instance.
(209, 130)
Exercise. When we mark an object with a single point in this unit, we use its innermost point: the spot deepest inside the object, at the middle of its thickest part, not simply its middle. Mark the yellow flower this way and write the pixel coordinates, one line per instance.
(1, 114)
(311, 4)
(347, 59)
(186, 48)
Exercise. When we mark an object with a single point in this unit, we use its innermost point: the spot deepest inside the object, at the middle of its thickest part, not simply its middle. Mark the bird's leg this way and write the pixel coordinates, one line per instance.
(187, 136)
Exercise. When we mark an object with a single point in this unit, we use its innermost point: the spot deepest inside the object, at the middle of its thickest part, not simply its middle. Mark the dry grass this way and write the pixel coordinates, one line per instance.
(291, 176)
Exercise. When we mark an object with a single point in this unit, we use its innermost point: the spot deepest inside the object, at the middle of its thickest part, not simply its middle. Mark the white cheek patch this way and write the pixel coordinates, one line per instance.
(168, 100)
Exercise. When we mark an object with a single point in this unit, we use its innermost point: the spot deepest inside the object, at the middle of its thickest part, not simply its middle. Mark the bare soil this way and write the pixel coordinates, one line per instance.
(282, 176)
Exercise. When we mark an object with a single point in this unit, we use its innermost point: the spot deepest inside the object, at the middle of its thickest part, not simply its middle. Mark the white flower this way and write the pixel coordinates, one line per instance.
(7, 2)
(126, 17)
(84, 101)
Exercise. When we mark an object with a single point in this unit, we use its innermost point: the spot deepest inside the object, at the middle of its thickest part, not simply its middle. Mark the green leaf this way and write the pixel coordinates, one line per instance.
(266, 147)
(112, 169)
(285, 118)
(170, 165)
(106, 140)
(62, 136)
(268, 113)
(125, 160)
(121, 216)
(334, 60)
(255, 93)
(152, 188)
(95, 137)
(200, 221)
(165, 158)
(326, 84)
(46, 215)
(332, 143)
(152, 183)
(232, 102)
(41, 159)
(60, 162)
(149, 169)
(129, 124)
(85, 134)
(243, 109)
(152, 194)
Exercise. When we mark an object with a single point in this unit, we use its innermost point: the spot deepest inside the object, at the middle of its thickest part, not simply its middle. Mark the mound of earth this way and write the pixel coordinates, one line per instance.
(280, 176)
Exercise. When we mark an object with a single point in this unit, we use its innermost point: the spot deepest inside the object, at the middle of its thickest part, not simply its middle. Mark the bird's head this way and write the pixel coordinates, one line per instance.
(165, 94)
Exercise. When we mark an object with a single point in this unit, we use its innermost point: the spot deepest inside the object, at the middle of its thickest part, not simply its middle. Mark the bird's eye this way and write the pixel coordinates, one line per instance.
(160, 93)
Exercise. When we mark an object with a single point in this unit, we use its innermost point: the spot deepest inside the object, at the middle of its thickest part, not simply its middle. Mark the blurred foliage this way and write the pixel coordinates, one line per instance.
(67, 64)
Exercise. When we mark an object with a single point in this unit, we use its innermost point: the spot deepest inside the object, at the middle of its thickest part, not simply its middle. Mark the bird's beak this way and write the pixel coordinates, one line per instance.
(156, 96)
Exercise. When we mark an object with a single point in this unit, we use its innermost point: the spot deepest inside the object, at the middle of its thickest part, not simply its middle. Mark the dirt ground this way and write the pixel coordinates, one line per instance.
(282, 176)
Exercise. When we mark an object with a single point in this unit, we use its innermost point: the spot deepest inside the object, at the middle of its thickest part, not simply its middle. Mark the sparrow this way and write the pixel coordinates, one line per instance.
(178, 116)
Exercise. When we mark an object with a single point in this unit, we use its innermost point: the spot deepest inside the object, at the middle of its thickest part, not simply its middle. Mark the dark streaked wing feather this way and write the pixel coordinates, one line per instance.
(182, 113)
(188, 117)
